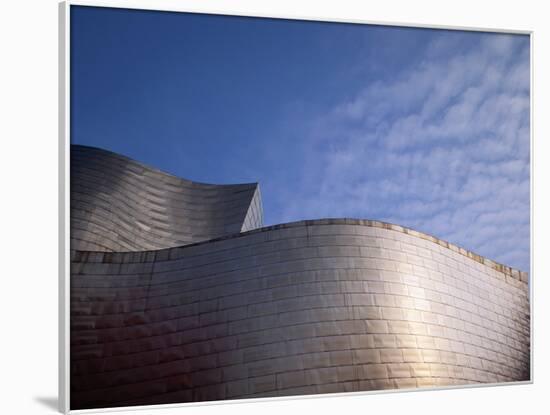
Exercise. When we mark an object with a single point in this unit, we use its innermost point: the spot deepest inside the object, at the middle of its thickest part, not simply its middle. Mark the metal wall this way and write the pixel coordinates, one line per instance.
(302, 308)
(118, 204)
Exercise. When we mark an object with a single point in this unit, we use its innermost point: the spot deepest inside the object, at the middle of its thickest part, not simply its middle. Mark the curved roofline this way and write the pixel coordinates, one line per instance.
(505, 269)
(157, 170)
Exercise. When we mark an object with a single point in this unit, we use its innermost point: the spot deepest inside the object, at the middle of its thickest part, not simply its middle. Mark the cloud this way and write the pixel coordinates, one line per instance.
(442, 147)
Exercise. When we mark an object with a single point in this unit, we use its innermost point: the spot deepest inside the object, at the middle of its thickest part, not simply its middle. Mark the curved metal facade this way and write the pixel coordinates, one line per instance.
(301, 308)
(118, 204)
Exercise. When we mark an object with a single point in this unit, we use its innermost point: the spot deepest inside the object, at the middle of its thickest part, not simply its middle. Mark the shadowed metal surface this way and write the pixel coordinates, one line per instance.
(118, 204)
(303, 308)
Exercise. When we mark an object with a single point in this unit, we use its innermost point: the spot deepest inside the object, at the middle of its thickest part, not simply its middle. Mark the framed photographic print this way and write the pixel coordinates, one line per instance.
(267, 207)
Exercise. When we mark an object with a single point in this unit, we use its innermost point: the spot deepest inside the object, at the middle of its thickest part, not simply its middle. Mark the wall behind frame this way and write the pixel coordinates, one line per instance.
(29, 129)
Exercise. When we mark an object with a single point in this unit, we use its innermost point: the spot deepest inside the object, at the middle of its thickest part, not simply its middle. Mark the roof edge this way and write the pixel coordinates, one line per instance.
(157, 170)
(508, 271)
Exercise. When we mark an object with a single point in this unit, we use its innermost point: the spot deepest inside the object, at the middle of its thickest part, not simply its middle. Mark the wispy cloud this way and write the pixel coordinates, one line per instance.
(442, 147)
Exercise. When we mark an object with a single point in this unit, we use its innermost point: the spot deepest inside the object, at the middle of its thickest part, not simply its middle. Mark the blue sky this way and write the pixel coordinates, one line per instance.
(424, 128)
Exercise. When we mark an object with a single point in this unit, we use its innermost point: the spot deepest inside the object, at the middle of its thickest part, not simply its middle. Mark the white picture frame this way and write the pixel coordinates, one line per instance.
(64, 143)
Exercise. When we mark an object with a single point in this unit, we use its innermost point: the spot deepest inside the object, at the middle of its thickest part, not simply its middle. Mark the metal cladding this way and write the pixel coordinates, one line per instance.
(118, 204)
(334, 305)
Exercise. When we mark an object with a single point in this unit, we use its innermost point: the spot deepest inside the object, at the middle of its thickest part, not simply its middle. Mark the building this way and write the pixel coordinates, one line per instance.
(179, 294)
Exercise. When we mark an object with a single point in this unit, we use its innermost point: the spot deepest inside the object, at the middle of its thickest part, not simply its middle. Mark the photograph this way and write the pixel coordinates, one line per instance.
(272, 207)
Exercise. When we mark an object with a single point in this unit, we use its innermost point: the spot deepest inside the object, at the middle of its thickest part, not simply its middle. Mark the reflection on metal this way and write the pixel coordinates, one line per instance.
(205, 306)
